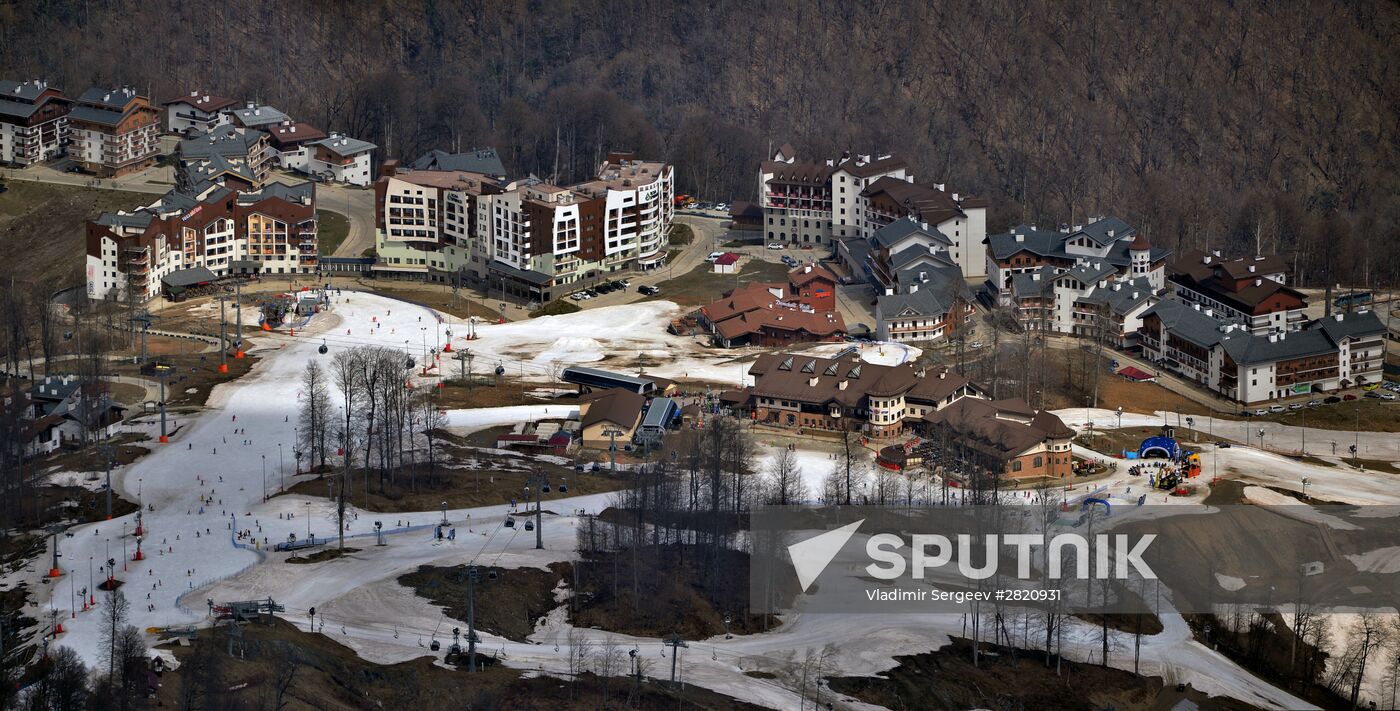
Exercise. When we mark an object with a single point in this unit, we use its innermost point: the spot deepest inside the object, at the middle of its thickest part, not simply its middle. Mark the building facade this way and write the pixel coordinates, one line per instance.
(199, 111)
(269, 231)
(113, 131)
(846, 394)
(33, 122)
(524, 238)
(810, 202)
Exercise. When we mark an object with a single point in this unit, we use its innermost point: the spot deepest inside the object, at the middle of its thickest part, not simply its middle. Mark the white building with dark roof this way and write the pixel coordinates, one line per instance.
(33, 122)
(199, 111)
(342, 159)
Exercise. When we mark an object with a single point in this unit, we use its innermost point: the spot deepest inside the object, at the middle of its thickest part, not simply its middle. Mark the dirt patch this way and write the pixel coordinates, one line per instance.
(41, 228)
(629, 593)
(193, 376)
(507, 605)
(330, 676)
(486, 392)
(702, 285)
(322, 555)
(1013, 680)
(89, 459)
(477, 479)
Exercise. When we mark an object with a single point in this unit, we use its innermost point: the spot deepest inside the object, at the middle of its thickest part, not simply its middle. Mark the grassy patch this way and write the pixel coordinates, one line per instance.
(701, 285)
(558, 307)
(479, 479)
(332, 229)
(41, 228)
(681, 235)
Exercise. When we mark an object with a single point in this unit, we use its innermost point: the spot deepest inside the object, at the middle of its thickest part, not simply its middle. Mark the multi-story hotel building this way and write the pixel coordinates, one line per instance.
(113, 131)
(527, 238)
(836, 201)
(270, 231)
(33, 122)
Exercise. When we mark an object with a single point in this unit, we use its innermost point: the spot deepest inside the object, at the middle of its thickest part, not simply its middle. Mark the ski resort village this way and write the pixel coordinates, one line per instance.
(434, 429)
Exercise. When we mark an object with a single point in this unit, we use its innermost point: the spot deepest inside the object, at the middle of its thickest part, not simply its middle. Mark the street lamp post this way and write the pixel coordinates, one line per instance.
(281, 470)
(264, 474)
(1261, 438)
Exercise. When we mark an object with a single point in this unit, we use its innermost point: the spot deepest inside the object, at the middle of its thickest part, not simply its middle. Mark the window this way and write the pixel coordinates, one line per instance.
(1016, 466)
(1039, 461)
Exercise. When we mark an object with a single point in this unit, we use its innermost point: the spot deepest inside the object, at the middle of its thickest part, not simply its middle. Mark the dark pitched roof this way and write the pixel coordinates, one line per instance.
(803, 172)
(882, 164)
(1004, 427)
(932, 205)
(26, 91)
(899, 229)
(616, 405)
(113, 99)
(1186, 322)
(818, 380)
(188, 277)
(95, 115)
(208, 103)
(478, 160)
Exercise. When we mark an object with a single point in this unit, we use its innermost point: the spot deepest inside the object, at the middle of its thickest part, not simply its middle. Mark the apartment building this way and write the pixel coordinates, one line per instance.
(290, 142)
(113, 131)
(921, 294)
(200, 111)
(226, 155)
(253, 115)
(812, 202)
(846, 394)
(341, 158)
(268, 231)
(33, 121)
(1220, 352)
(1251, 291)
(525, 238)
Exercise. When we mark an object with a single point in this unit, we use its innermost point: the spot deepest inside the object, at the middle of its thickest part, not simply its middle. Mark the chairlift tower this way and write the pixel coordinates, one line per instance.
(676, 644)
(613, 433)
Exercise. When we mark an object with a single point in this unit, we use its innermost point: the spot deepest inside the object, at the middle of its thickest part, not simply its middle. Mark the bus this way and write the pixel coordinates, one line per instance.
(1355, 298)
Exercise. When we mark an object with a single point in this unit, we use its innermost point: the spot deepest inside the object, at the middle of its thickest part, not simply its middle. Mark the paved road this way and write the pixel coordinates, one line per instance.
(708, 231)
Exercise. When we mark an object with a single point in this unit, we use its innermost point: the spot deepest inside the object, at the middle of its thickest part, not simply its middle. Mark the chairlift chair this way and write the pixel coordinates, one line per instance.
(491, 575)
(563, 488)
(510, 523)
(529, 525)
(435, 646)
(544, 489)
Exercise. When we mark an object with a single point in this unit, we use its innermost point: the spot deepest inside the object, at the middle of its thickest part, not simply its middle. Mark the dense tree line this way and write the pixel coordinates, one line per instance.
(1234, 126)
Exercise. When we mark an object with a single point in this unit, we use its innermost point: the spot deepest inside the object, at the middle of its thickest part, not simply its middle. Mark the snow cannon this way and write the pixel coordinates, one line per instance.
(55, 573)
(223, 367)
(291, 332)
(238, 354)
(165, 439)
(138, 555)
(266, 326)
(58, 628)
(447, 348)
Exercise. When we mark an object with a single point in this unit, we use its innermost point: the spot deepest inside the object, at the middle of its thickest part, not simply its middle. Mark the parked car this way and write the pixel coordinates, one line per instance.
(1296, 406)
(1348, 397)
(713, 256)
(1388, 396)
(1374, 394)
(1260, 412)
(1223, 444)
(649, 290)
(775, 245)
(576, 296)
(1276, 408)
(1314, 403)
(1332, 400)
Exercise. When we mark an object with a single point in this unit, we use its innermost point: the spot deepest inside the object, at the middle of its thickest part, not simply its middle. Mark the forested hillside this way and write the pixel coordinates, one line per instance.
(1211, 124)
